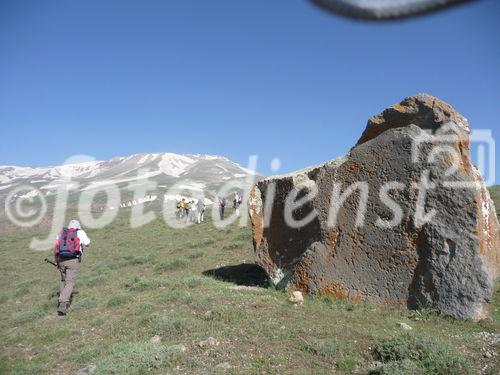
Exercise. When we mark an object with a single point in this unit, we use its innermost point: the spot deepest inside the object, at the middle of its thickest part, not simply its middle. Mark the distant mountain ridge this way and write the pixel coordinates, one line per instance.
(194, 172)
(168, 163)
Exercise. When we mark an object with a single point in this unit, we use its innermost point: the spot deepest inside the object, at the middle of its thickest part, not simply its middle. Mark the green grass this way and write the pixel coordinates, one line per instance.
(136, 284)
(172, 264)
(136, 358)
(331, 350)
(495, 195)
(420, 355)
(119, 299)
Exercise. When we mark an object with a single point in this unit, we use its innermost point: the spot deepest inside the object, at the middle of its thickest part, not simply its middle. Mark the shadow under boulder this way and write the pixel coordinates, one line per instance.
(241, 274)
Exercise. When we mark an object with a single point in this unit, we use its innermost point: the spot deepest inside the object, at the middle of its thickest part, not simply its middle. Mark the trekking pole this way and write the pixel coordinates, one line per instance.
(50, 262)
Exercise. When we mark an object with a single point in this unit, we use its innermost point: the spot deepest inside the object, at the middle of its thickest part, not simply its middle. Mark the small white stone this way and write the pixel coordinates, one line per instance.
(405, 327)
(156, 339)
(86, 370)
(208, 342)
(297, 298)
(224, 366)
(181, 348)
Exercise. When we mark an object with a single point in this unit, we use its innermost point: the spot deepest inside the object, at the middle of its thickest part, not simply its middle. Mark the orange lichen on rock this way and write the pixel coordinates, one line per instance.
(464, 147)
(256, 216)
(420, 264)
(339, 291)
(301, 280)
(335, 290)
(332, 237)
(399, 107)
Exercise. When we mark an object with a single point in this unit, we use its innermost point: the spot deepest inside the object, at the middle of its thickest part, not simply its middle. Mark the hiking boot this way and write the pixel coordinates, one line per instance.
(62, 309)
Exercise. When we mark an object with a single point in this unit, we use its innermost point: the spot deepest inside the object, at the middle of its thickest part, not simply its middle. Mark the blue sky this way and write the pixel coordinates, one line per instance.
(269, 77)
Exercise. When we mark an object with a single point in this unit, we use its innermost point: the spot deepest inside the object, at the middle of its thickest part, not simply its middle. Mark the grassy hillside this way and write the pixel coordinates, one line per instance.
(495, 195)
(148, 303)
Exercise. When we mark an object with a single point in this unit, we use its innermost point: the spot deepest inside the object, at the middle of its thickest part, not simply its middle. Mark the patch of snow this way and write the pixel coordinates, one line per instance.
(194, 186)
(178, 197)
(50, 186)
(249, 171)
(56, 185)
(173, 164)
(23, 172)
(333, 163)
(172, 197)
(97, 184)
(134, 202)
(207, 157)
(94, 172)
(144, 159)
(29, 194)
(221, 167)
(73, 170)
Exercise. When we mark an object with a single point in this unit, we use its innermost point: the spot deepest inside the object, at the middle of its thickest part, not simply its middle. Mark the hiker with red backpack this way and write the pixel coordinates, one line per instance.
(68, 252)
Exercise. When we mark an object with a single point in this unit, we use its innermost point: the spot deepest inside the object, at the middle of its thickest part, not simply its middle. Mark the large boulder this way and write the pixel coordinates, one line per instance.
(403, 218)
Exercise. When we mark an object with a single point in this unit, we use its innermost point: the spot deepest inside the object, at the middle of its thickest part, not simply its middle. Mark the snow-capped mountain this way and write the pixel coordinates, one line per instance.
(195, 173)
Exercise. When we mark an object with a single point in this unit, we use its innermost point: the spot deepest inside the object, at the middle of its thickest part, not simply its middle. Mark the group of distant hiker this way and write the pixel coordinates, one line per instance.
(190, 211)
(72, 240)
(237, 201)
(195, 212)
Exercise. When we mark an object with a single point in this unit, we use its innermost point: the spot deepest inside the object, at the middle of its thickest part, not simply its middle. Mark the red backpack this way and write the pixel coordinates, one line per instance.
(68, 244)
